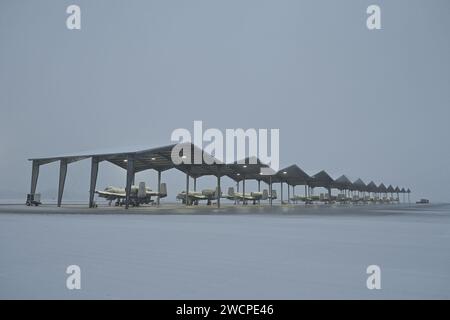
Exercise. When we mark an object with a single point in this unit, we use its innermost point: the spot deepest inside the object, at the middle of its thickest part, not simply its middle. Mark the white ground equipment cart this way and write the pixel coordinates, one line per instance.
(33, 199)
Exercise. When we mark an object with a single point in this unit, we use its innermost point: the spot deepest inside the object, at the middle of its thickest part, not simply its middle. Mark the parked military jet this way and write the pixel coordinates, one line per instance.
(252, 196)
(194, 197)
(298, 198)
(138, 195)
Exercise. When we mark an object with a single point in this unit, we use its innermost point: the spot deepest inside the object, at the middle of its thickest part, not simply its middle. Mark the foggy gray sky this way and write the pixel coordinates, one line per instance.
(370, 104)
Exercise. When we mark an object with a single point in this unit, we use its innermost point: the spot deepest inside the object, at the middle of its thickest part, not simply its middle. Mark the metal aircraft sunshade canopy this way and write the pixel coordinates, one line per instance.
(390, 189)
(185, 157)
(397, 190)
(403, 190)
(321, 179)
(292, 175)
(382, 188)
(342, 183)
(248, 169)
(359, 185)
(198, 163)
(372, 187)
(158, 158)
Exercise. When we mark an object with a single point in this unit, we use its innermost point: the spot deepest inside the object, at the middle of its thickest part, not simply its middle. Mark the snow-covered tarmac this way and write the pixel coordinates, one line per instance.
(255, 252)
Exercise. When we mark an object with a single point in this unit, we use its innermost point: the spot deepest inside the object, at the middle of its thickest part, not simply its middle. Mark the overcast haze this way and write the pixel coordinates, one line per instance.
(369, 104)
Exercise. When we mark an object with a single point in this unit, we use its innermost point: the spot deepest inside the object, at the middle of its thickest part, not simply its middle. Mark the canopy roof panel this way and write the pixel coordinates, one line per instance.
(382, 188)
(292, 175)
(156, 158)
(359, 185)
(371, 187)
(321, 179)
(196, 163)
(248, 168)
(342, 183)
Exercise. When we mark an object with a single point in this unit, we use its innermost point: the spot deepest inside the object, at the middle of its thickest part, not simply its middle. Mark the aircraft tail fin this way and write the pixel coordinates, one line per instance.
(163, 191)
(274, 194)
(265, 195)
(141, 191)
(217, 194)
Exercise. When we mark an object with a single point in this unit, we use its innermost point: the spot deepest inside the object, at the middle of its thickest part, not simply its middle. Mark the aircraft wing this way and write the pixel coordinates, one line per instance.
(240, 196)
(192, 196)
(110, 195)
(206, 194)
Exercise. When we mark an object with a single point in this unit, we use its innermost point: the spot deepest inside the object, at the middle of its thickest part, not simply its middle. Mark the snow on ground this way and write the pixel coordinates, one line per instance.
(255, 253)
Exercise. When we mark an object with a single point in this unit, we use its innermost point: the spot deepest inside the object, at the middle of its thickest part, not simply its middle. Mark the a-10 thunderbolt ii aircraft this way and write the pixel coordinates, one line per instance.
(252, 196)
(138, 195)
(194, 197)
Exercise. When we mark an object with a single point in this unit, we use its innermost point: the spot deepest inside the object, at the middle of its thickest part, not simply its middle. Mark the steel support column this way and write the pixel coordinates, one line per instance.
(289, 193)
(62, 179)
(94, 174)
(270, 190)
(129, 182)
(158, 199)
(218, 190)
(34, 176)
(281, 192)
(187, 189)
(243, 192)
(259, 190)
